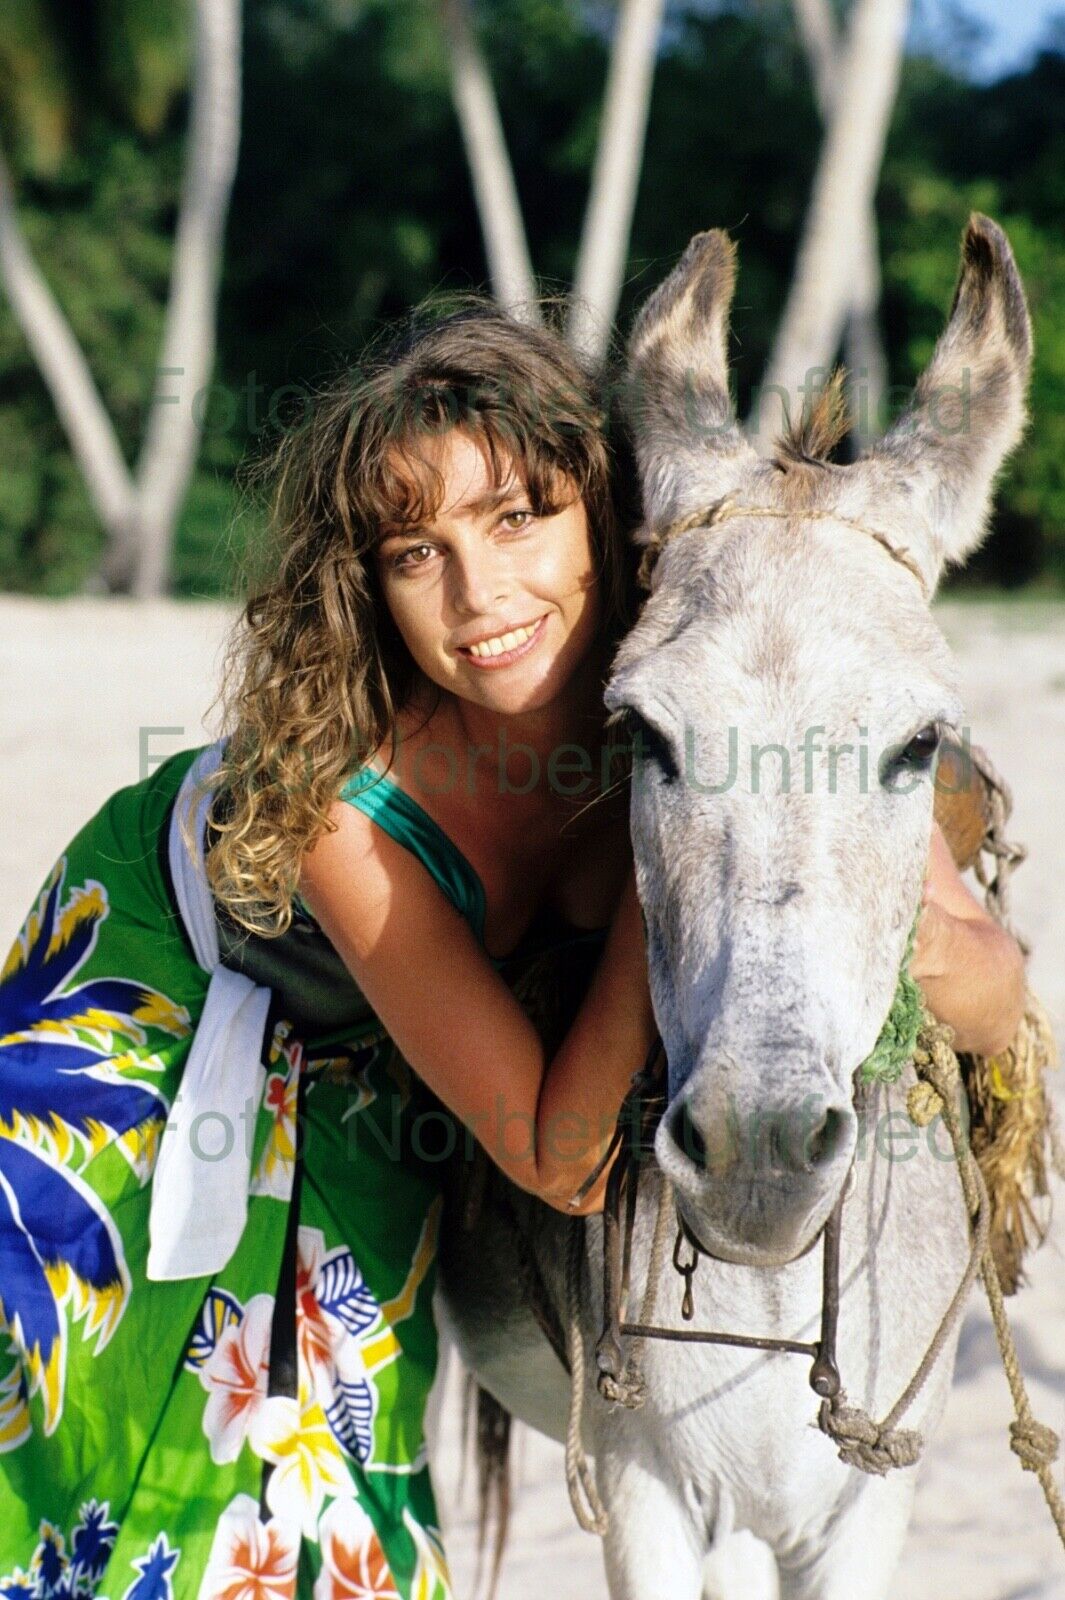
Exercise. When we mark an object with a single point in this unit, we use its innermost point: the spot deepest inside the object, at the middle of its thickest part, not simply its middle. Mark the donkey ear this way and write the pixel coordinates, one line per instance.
(677, 394)
(968, 409)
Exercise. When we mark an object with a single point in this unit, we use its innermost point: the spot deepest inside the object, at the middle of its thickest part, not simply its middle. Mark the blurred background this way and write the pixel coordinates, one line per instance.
(309, 161)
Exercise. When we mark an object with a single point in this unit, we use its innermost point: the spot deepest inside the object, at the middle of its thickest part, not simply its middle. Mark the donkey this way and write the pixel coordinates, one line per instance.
(777, 917)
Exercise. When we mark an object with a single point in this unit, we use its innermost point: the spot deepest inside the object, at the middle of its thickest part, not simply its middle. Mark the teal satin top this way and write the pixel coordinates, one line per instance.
(411, 825)
(312, 985)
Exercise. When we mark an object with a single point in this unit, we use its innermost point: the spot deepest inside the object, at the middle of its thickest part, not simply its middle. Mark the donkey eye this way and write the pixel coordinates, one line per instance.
(915, 756)
(923, 746)
(650, 745)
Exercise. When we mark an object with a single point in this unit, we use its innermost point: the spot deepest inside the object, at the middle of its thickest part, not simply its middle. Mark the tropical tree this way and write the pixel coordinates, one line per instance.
(863, 346)
(138, 506)
(834, 243)
(615, 173)
(836, 280)
(354, 200)
(506, 246)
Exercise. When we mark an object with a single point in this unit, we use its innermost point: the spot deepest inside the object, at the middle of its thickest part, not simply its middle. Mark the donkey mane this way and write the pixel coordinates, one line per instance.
(810, 438)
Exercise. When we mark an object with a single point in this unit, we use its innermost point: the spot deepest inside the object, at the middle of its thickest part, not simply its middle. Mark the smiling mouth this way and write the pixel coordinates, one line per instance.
(504, 648)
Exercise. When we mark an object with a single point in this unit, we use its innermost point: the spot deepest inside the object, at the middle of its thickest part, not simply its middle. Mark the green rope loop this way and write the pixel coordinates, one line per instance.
(898, 1037)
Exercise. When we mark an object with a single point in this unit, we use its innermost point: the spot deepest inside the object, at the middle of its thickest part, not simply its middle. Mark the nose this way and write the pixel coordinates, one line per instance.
(804, 1136)
(824, 1138)
(479, 580)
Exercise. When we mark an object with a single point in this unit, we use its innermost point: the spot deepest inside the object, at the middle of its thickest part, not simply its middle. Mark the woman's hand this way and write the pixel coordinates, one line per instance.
(970, 970)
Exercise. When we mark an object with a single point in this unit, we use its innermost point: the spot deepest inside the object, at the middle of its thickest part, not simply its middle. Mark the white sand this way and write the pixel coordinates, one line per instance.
(87, 688)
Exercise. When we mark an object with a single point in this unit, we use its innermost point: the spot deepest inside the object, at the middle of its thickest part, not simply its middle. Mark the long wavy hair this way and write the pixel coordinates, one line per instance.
(316, 671)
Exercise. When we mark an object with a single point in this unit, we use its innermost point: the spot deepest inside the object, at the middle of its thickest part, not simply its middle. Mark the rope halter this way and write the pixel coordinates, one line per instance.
(708, 517)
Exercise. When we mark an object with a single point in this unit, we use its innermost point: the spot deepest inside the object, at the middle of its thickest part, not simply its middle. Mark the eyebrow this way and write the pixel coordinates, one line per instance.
(496, 497)
(484, 502)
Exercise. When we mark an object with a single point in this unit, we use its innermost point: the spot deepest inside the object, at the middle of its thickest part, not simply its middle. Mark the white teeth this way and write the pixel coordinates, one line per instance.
(502, 643)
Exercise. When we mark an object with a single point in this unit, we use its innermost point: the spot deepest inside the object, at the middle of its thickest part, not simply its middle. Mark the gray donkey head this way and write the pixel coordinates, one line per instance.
(790, 688)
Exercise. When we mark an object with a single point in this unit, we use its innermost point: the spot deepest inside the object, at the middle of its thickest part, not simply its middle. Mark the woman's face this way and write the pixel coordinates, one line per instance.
(496, 605)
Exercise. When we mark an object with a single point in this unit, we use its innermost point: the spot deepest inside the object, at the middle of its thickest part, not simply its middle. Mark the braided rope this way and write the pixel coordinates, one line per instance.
(630, 1389)
(877, 1447)
(872, 1447)
(1005, 854)
(584, 1496)
(724, 510)
(1033, 1443)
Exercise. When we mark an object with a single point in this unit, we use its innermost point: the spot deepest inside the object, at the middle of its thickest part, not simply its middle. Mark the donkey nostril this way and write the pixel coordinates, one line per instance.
(686, 1135)
(823, 1141)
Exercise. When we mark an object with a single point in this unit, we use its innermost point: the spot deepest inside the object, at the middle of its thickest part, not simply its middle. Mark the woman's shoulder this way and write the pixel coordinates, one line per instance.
(392, 802)
(419, 771)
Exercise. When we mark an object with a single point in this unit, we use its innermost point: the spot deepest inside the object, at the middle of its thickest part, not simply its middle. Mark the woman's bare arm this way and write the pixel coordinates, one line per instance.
(544, 1122)
(970, 969)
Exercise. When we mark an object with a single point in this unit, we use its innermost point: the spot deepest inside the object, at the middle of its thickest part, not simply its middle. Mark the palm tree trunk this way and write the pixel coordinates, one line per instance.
(830, 251)
(139, 510)
(863, 347)
(509, 267)
(175, 422)
(817, 29)
(615, 177)
(65, 372)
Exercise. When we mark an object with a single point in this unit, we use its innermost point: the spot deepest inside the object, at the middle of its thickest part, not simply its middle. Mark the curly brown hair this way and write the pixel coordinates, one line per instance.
(316, 672)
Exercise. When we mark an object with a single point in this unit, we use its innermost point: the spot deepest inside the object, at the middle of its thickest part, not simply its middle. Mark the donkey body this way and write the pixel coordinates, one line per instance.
(780, 871)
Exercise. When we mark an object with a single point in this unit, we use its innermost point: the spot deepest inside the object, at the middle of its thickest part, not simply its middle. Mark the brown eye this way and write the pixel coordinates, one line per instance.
(915, 756)
(415, 556)
(923, 746)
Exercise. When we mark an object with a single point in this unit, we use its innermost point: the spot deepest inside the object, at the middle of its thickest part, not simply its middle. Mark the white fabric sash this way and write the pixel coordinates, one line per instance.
(199, 1203)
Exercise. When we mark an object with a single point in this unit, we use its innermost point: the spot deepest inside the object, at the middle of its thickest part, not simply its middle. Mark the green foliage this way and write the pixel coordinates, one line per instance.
(353, 201)
(59, 65)
(34, 88)
(144, 57)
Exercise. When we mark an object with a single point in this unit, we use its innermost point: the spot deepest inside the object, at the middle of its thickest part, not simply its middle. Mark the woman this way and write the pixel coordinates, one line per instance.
(220, 1336)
